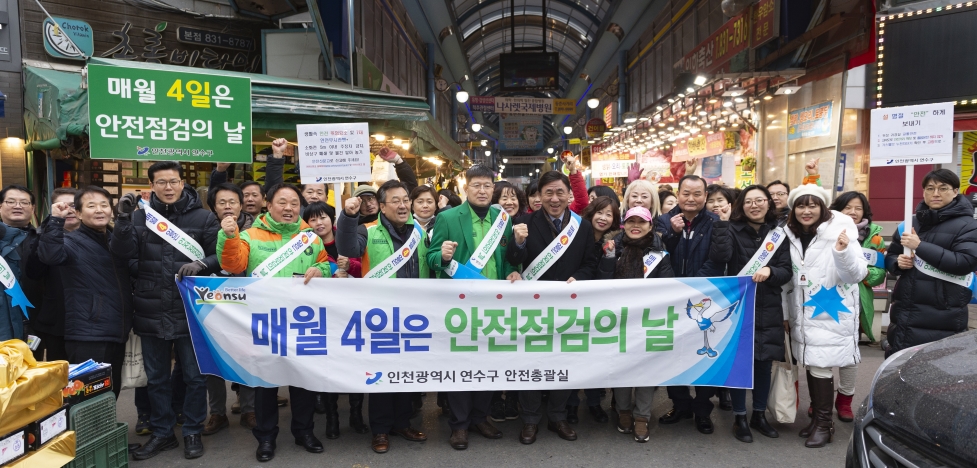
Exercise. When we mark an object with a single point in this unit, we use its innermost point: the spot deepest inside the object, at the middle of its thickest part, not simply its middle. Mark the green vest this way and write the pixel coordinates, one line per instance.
(379, 246)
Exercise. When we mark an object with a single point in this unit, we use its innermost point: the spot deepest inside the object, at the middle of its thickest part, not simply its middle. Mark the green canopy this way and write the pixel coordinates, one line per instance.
(54, 107)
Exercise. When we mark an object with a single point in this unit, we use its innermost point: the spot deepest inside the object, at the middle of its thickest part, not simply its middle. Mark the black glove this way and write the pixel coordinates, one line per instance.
(190, 269)
(128, 203)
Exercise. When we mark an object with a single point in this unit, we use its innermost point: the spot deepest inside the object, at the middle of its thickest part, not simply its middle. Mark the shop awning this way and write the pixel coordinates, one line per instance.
(54, 107)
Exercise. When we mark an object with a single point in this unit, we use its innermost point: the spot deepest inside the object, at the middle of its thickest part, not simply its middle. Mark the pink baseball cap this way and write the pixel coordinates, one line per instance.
(640, 212)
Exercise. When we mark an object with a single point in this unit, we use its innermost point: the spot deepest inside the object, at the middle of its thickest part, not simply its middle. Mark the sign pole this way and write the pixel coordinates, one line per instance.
(908, 213)
(337, 196)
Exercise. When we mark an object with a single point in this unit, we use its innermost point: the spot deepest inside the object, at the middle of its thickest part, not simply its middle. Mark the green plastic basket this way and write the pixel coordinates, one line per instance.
(92, 419)
(111, 450)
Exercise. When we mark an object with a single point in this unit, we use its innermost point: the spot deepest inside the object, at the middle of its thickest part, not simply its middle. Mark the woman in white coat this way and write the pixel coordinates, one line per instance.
(823, 305)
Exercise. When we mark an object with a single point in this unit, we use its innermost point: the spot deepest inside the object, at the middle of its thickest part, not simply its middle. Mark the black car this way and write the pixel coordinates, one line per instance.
(922, 409)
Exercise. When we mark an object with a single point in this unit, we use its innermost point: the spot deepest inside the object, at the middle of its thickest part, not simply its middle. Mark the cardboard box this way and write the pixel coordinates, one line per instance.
(13, 446)
(58, 452)
(88, 385)
(47, 428)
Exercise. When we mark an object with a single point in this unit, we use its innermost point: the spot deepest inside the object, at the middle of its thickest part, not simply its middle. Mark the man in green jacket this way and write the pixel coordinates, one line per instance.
(469, 242)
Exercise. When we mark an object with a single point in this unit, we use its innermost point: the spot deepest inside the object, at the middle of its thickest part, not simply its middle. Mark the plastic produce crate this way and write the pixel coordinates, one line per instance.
(111, 450)
(92, 418)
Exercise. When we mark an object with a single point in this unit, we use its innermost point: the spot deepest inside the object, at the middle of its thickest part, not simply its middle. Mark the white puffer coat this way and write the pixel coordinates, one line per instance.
(822, 341)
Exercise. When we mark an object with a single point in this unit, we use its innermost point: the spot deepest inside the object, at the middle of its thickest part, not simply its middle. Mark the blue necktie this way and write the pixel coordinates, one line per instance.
(557, 223)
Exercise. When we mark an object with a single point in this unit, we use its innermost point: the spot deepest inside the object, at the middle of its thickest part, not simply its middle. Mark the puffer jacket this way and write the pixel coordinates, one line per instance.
(924, 308)
(248, 249)
(12, 250)
(158, 307)
(607, 265)
(733, 245)
(689, 250)
(98, 305)
(817, 338)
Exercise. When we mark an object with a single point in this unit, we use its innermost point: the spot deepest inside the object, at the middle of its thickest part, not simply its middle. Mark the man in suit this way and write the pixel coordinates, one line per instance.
(576, 260)
(458, 234)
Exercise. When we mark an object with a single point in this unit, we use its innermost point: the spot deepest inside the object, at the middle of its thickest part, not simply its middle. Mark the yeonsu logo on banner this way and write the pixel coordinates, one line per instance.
(400, 335)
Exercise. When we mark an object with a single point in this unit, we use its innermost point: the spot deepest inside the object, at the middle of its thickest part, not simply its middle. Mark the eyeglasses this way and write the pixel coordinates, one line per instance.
(755, 202)
(480, 187)
(398, 201)
(778, 194)
(171, 183)
(944, 190)
(231, 202)
(17, 202)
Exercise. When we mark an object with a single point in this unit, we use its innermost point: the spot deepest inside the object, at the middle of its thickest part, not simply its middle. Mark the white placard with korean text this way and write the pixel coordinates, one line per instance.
(334, 153)
(911, 135)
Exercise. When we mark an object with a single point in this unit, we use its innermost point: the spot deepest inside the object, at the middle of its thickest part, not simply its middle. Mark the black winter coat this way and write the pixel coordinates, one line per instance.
(579, 261)
(662, 270)
(733, 245)
(159, 309)
(689, 254)
(924, 308)
(97, 291)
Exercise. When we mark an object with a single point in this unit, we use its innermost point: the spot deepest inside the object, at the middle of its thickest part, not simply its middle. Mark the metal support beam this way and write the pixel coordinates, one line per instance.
(431, 94)
(622, 86)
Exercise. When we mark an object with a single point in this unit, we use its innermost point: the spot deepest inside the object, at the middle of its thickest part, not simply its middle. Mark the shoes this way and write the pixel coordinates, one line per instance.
(810, 411)
(486, 429)
(154, 446)
(282, 401)
(320, 403)
(572, 416)
(266, 451)
(215, 424)
(741, 429)
(236, 407)
(843, 405)
(511, 406)
(248, 420)
(641, 431)
(822, 391)
(497, 411)
(309, 443)
(759, 422)
(193, 446)
(528, 433)
(180, 419)
(625, 423)
(381, 443)
(331, 405)
(133, 447)
(356, 414)
(562, 429)
(142, 425)
(410, 434)
(725, 399)
(673, 416)
(598, 413)
(459, 439)
(704, 425)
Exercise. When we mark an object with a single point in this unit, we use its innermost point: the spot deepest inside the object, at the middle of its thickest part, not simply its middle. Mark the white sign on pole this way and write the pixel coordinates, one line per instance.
(910, 135)
(334, 153)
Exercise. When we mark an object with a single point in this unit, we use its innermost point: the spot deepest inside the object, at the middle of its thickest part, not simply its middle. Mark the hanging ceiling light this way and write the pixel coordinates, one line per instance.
(476, 127)
(462, 96)
(593, 103)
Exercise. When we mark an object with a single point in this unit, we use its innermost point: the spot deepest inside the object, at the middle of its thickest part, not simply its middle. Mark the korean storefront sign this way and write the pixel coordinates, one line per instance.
(595, 128)
(809, 122)
(334, 153)
(766, 21)
(522, 105)
(702, 146)
(336, 335)
(612, 164)
(148, 115)
(68, 38)
(715, 53)
(912, 135)
(610, 112)
(521, 132)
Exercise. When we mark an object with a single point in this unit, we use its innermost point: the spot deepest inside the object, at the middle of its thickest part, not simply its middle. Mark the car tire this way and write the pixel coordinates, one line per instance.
(850, 454)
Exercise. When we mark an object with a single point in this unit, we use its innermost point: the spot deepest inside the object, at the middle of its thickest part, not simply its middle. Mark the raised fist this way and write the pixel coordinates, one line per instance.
(229, 225)
(58, 210)
(222, 167)
(842, 241)
(678, 223)
(128, 203)
(812, 166)
(448, 250)
(352, 207)
(520, 232)
(278, 147)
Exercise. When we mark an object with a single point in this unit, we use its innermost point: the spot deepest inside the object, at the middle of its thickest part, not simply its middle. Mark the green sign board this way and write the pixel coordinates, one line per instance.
(151, 115)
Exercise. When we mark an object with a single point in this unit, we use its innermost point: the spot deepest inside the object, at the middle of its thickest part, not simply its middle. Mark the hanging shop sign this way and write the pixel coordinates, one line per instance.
(910, 135)
(766, 21)
(809, 122)
(609, 113)
(145, 114)
(595, 128)
(716, 53)
(703, 146)
(521, 132)
(611, 164)
(968, 164)
(68, 38)
(155, 49)
(214, 39)
(334, 153)
(521, 105)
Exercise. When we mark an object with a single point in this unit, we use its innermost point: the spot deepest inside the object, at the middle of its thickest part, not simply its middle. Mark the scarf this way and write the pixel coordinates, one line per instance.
(630, 264)
(862, 230)
(425, 222)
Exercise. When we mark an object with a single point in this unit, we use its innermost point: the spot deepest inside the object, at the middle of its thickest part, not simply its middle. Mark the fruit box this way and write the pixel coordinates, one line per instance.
(47, 428)
(13, 446)
(88, 385)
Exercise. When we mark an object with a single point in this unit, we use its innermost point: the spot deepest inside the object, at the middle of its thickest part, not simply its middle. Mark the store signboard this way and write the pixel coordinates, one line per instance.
(611, 164)
(766, 21)
(334, 153)
(715, 53)
(145, 114)
(701, 146)
(910, 135)
(521, 132)
(595, 128)
(609, 113)
(522, 105)
(809, 122)
(481, 103)
(68, 38)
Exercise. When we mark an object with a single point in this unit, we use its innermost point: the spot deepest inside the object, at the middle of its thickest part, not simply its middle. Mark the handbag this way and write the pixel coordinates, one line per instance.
(133, 369)
(783, 400)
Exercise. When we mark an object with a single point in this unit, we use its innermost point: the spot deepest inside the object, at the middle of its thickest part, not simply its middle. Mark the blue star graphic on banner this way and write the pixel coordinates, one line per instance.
(17, 298)
(827, 301)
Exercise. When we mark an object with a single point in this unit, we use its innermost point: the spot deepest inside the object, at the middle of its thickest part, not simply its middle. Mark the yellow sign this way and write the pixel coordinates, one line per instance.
(574, 141)
(564, 106)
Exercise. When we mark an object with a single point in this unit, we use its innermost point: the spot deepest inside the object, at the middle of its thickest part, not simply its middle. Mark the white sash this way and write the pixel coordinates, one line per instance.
(7, 277)
(483, 253)
(284, 255)
(930, 270)
(763, 255)
(556, 248)
(651, 260)
(873, 257)
(395, 262)
(172, 234)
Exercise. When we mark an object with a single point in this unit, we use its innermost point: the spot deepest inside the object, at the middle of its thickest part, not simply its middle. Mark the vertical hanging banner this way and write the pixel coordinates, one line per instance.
(334, 153)
(809, 122)
(338, 335)
(148, 114)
